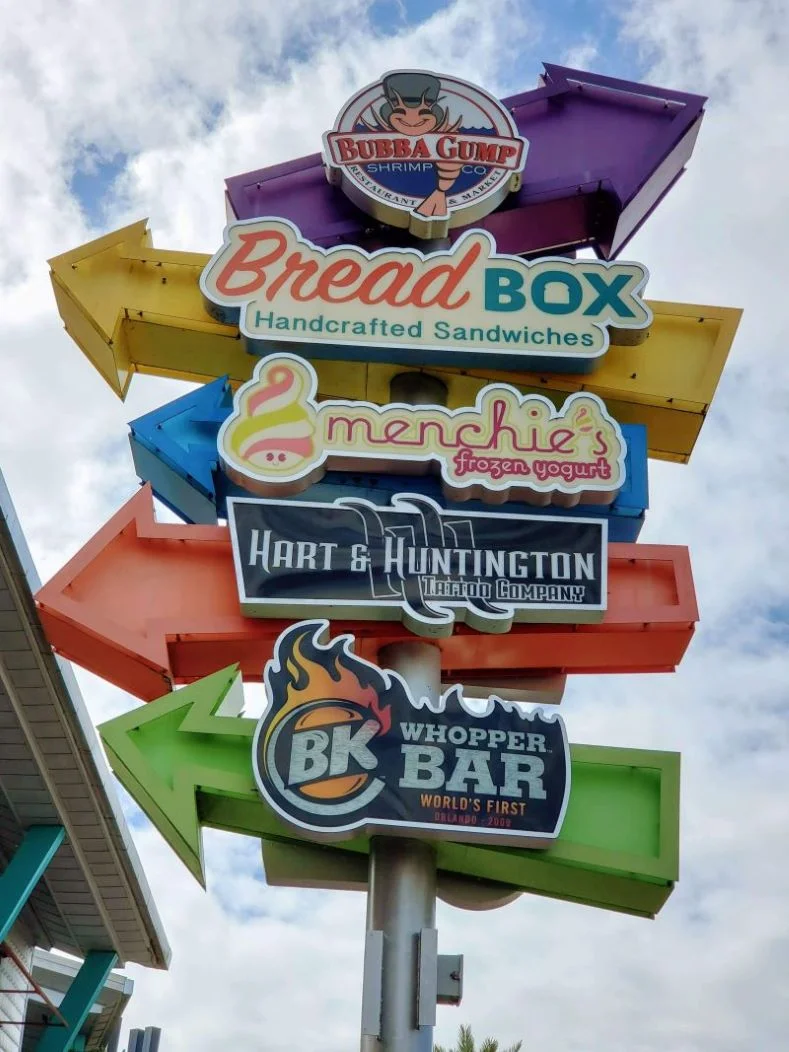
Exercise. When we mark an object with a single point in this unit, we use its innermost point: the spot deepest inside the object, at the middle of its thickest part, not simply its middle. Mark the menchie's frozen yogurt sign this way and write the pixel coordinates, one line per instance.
(279, 440)
(462, 305)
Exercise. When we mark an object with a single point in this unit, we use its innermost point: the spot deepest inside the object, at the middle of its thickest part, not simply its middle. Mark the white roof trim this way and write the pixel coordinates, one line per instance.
(67, 698)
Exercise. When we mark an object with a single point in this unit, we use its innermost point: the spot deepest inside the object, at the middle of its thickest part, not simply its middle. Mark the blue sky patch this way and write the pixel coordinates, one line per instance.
(584, 33)
(92, 181)
(388, 15)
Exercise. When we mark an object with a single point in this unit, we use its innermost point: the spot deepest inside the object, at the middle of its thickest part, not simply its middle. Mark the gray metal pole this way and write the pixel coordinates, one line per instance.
(401, 897)
(401, 900)
(417, 389)
(435, 244)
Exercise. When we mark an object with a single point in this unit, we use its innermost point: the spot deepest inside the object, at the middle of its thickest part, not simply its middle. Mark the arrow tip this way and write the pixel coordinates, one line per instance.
(151, 757)
(136, 232)
(89, 282)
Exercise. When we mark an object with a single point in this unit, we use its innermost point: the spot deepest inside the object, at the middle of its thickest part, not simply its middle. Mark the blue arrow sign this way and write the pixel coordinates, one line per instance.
(175, 450)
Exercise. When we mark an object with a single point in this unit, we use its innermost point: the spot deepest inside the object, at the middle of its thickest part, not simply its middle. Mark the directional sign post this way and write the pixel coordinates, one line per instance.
(370, 765)
(602, 154)
(133, 308)
(186, 758)
(146, 605)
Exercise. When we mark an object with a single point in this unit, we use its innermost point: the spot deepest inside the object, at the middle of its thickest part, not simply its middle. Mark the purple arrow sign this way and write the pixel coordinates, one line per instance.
(602, 153)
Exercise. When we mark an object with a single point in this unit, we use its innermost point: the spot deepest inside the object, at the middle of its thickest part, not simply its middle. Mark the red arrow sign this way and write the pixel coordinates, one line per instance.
(147, 605)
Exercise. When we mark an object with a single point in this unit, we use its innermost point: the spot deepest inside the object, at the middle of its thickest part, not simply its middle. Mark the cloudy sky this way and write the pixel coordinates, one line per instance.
(114, 111)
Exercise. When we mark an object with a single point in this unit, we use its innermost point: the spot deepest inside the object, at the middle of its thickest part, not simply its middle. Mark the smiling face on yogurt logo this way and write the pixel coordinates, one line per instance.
(425, 152)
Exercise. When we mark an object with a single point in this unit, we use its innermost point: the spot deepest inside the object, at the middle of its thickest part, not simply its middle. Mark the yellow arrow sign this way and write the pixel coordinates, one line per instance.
(135, 308)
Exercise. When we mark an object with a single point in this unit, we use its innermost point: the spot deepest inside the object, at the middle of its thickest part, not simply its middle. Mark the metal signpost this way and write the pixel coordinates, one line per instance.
(401, 962)
(446, 533)
(400, 982)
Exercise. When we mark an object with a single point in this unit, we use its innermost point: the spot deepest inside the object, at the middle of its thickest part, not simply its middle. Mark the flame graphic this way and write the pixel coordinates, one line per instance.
(320, 679)
(331, 674)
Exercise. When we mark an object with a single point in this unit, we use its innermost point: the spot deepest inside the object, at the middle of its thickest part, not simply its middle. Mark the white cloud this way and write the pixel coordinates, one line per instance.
(583, 55)
(194, 92)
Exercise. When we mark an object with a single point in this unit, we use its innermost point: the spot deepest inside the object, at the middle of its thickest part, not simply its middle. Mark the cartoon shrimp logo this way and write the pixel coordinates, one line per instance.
(412, 108)
(425, 152)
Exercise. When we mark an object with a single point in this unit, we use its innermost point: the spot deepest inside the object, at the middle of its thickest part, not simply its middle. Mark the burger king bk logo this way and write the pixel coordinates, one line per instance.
(425, 152)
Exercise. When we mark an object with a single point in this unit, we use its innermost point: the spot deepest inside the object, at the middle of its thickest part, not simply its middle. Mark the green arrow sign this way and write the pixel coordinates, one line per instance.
(187, 761)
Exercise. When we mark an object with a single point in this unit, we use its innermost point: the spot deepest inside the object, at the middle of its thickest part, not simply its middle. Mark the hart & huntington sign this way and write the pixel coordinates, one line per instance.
(416, 562)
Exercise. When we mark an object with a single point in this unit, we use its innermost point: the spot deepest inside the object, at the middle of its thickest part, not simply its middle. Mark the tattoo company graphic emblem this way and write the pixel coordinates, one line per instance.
(344, 747)
(279, 440)
(425, 152)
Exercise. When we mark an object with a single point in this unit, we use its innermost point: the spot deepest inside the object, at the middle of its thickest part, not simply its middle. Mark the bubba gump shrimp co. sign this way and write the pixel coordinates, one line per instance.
(425, 151)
